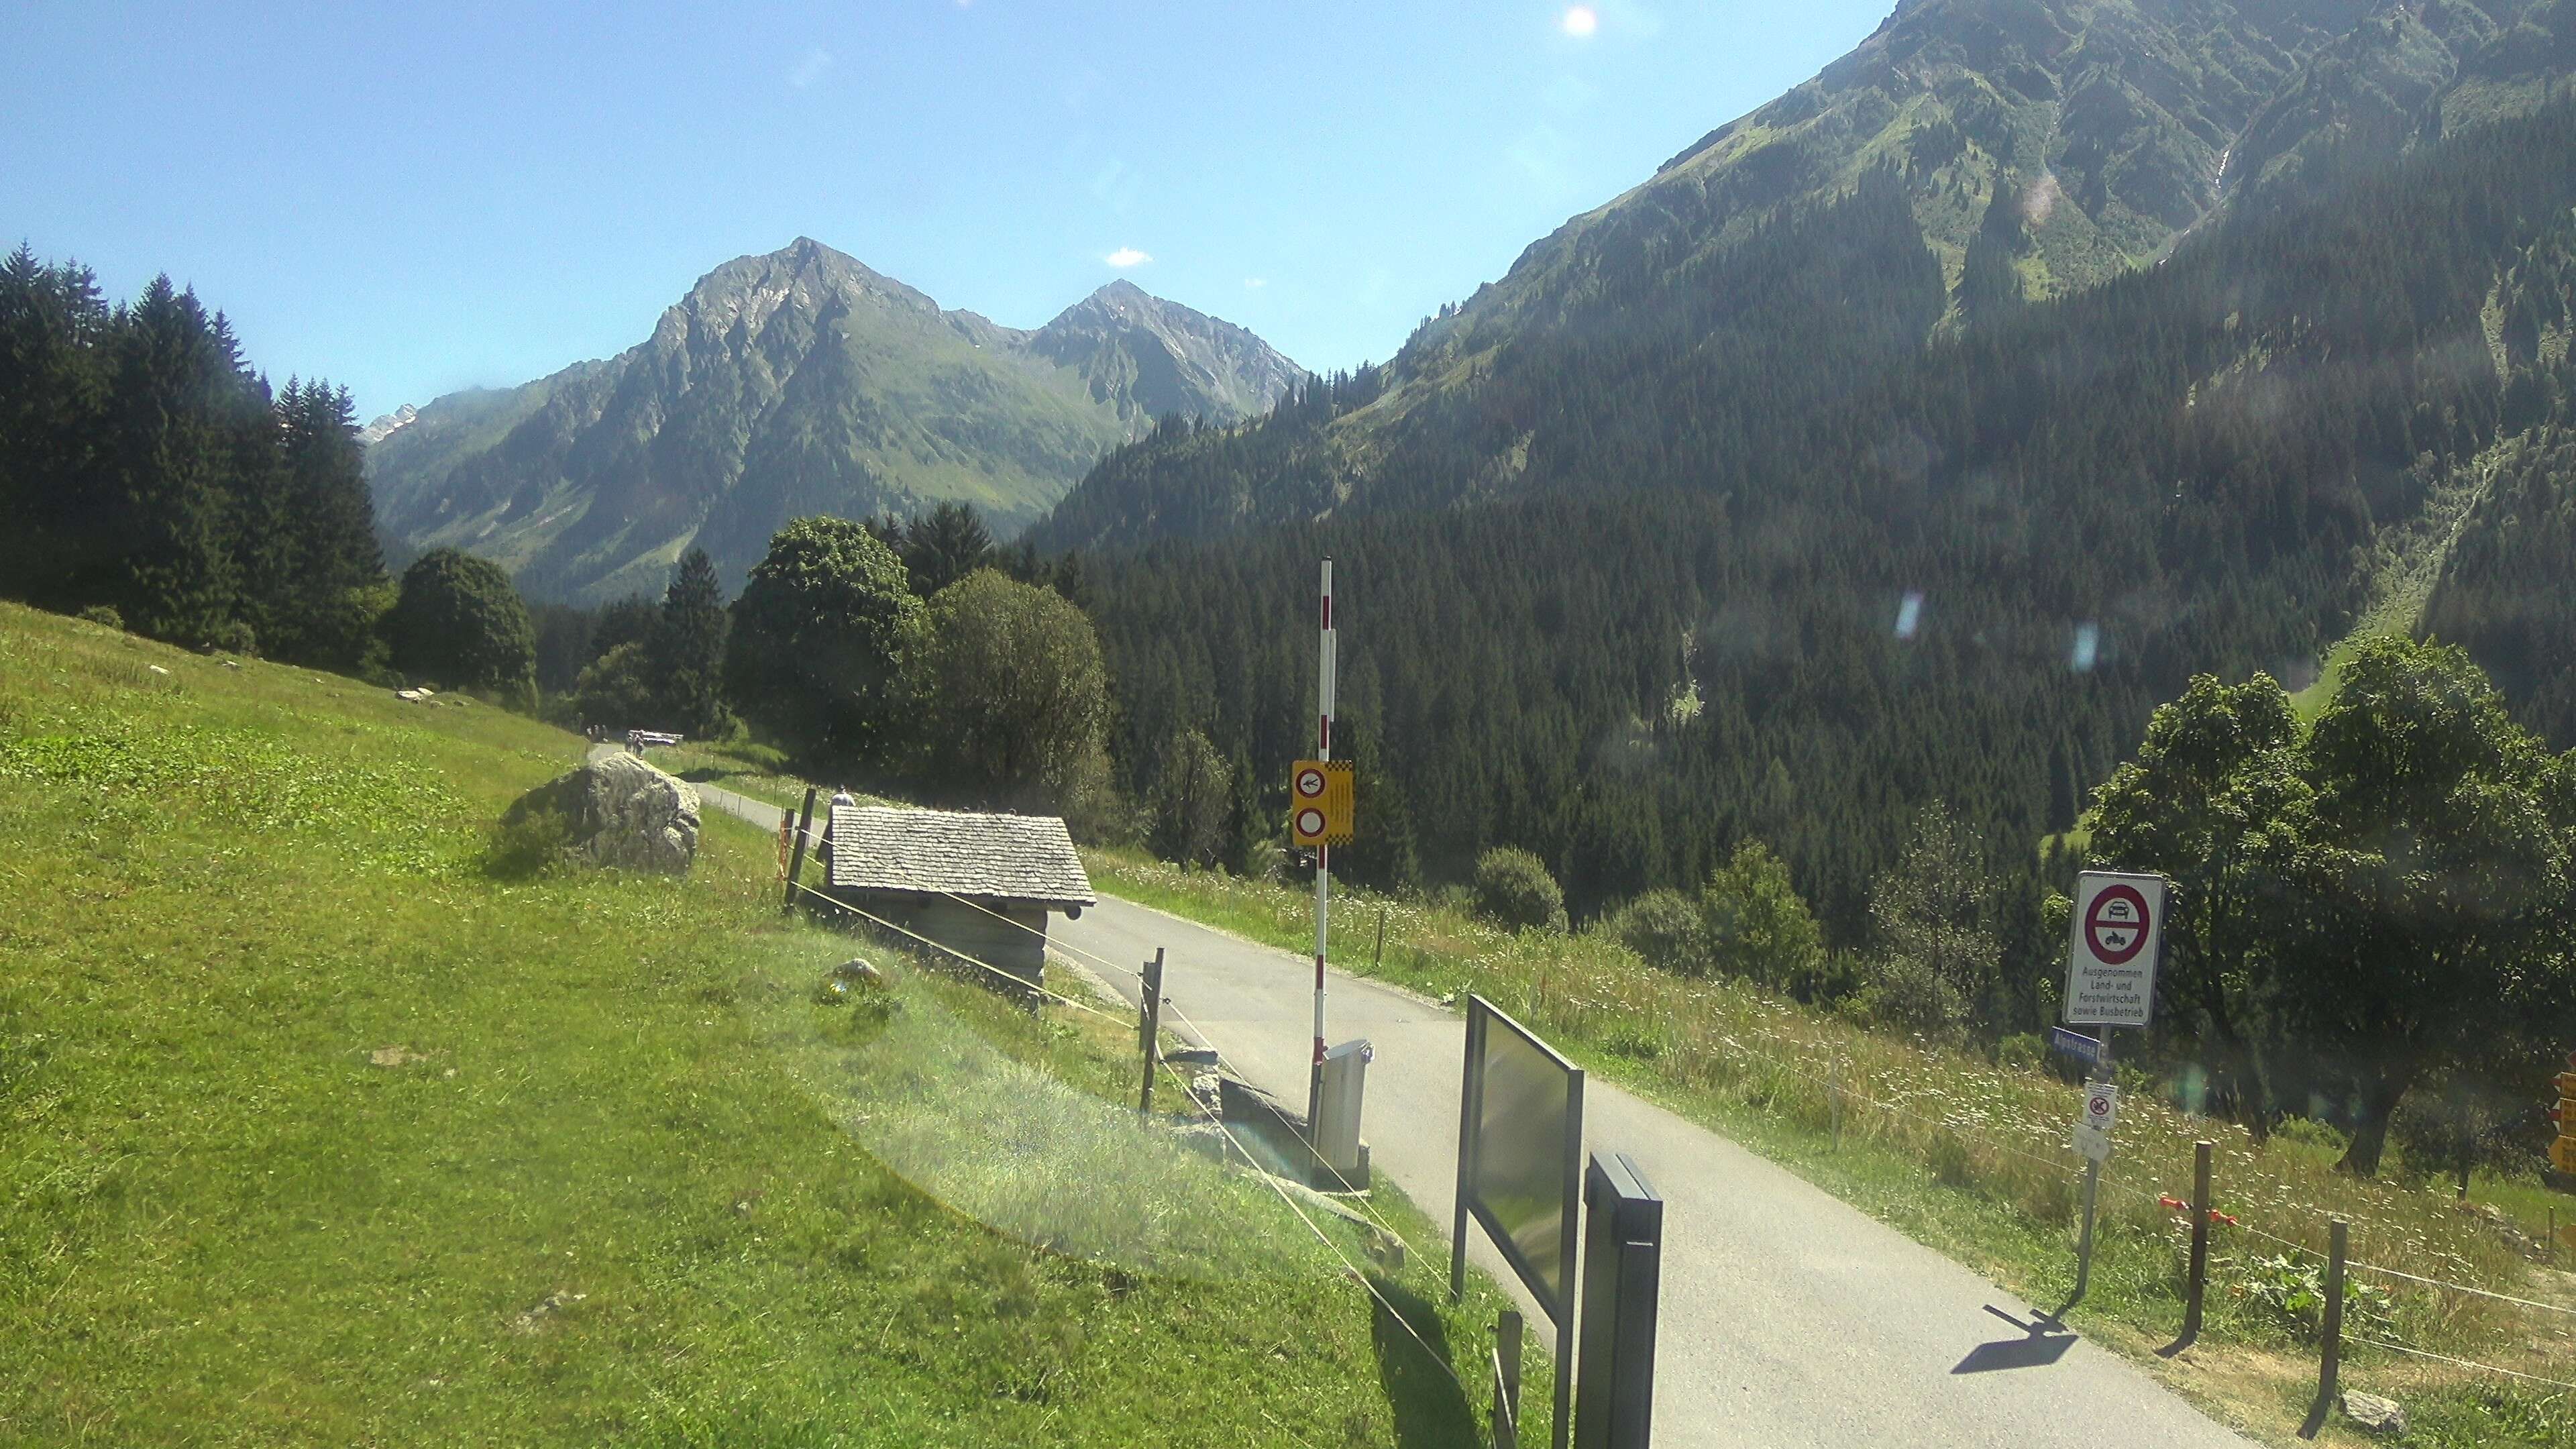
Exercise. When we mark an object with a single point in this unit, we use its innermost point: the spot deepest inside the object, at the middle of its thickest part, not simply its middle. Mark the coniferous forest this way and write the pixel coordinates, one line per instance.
(1728, 551)
(150, 474)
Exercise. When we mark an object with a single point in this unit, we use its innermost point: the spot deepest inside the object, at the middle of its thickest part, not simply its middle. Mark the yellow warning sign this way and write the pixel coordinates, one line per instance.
(1319, 802)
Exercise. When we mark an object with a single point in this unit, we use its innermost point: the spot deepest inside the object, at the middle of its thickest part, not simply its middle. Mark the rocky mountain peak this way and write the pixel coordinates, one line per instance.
(388, 425)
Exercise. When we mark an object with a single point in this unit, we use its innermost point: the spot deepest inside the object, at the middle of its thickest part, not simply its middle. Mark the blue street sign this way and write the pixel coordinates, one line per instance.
(2083, 1048)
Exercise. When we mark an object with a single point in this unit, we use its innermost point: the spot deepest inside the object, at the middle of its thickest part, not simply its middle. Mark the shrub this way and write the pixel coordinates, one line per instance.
(2025, 1052)
(2314, 1133)
(1757, 927)
(2294, 1290)
(1513, 888)
(104, 614)
(232, 636)
(1193, 801)
(1663, 928)
(531, 846)
(1907, 994)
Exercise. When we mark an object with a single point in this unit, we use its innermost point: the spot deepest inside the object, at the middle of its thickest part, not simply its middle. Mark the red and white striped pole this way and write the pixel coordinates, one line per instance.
(1323, 853)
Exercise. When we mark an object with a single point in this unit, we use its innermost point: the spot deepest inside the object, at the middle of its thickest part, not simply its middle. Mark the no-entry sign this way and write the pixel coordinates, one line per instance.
(2119, 926)
(2093, 1124)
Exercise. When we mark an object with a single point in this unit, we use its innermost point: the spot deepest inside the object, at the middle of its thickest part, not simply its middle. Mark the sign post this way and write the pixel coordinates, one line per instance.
(1323, 847)
(2110, 982)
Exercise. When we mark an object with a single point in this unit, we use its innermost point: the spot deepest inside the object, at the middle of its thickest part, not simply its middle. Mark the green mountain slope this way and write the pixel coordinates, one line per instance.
(1771, 569)
(2039, 147)
(797, 382)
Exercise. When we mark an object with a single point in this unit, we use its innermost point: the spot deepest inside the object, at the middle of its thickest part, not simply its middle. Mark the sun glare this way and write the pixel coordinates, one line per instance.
(1581, 21)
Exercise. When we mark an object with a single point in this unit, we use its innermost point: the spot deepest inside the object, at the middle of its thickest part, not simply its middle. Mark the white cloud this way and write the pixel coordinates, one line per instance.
(1126, 257)
(812, 68)
(1255, 284)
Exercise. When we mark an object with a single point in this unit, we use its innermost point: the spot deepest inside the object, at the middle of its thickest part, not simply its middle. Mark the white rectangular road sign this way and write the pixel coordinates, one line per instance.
(2093, 1123)
(2118, 931)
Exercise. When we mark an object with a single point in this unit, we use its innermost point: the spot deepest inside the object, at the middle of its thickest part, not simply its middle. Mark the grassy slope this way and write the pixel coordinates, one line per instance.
(1972, 1160)
(222, 1220)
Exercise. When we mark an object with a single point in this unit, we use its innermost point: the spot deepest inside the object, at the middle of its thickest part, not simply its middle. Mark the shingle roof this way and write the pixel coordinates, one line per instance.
(1016, 857)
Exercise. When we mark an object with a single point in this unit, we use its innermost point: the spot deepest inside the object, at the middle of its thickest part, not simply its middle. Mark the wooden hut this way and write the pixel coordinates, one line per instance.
(980, 885)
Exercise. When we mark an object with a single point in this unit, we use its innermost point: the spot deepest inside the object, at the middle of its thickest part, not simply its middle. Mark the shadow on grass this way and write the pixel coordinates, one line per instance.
(1421, 1392)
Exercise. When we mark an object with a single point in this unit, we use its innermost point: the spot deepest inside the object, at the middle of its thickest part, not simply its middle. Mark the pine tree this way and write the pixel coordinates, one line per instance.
(331, 522)
(53, 390)
(167, 465)
(688, 648)
(945, 545)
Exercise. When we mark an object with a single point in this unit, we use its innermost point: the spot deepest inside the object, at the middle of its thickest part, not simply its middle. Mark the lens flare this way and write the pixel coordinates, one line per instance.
(1581, 21)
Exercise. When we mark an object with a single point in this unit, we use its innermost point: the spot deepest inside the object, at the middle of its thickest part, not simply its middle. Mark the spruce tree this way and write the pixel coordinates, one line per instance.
(176, 579)
(688, 649)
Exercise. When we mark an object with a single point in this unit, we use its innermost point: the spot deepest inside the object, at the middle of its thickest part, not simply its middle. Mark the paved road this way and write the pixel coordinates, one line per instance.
(1789, 1318)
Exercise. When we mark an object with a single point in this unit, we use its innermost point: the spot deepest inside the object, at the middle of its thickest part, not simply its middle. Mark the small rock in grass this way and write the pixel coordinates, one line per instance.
(553, 1303)
(396, 1056)
(2370, 1411)
(858, 972)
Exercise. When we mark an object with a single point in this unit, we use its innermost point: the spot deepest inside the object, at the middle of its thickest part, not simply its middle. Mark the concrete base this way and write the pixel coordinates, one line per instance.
(1267, 1128)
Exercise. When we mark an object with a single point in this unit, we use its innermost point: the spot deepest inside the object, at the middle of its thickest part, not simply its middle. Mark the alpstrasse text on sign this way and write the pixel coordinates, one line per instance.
(2118, 929)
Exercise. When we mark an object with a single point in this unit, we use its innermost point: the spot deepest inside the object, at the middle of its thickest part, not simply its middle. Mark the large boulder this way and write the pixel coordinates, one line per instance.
(619, 811)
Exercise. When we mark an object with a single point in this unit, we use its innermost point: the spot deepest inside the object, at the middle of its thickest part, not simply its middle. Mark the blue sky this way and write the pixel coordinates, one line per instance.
(412, 200)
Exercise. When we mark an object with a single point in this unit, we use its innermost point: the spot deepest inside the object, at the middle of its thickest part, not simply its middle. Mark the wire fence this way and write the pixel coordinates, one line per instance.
(1839, 1094)
(1020, 983)
(2472, 1364)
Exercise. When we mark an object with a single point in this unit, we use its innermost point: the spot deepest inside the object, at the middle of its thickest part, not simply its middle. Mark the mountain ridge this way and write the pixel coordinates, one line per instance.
(799, 380)
(2042, 146)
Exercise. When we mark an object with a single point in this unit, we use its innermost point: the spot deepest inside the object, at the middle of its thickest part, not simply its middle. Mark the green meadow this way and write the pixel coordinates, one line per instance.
(318, 1127)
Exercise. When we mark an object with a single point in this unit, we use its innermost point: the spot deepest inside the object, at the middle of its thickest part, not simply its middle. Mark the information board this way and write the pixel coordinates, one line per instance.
(1520, 1154)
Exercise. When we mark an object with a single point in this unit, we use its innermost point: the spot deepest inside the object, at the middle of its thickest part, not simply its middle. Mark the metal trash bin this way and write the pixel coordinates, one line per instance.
(1623, 1246)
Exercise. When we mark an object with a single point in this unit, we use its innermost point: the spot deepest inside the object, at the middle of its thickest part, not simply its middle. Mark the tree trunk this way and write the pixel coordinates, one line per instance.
(2379, 1099)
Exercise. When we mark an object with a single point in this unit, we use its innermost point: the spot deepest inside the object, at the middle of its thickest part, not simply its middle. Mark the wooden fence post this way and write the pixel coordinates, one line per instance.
(1150, 1019)
(2200, 1209)
(796, 867)
(2330, 1362)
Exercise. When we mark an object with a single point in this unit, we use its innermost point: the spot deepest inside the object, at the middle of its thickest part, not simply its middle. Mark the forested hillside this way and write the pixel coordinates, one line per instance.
(1815, 577)
(148, 470)
(2035, 147)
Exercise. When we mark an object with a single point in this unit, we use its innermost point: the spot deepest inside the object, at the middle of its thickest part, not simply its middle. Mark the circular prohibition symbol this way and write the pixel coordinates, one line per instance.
(2115, 925)
(1310, 821)
(1310, 786)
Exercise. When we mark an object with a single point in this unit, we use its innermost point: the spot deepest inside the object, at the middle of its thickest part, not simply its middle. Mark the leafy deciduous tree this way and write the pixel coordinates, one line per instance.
(1013, 699)
(459, 623)
(821, 639)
